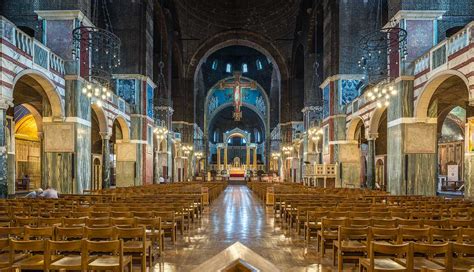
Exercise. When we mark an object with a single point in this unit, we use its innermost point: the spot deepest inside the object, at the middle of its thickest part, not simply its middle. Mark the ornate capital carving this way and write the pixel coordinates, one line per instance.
(312, 108)
(6, 103)
(104, 135)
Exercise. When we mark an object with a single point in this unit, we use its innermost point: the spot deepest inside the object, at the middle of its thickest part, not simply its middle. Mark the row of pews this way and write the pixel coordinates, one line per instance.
(374, 230)
(102, 230)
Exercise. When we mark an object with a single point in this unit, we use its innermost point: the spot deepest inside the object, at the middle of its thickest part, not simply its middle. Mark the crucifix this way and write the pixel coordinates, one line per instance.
(237, 85)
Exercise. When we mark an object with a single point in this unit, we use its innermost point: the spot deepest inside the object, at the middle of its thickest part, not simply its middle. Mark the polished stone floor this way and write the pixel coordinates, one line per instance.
(238, 215)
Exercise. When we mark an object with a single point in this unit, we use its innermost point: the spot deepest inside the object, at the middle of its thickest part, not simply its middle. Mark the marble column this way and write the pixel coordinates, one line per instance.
(3, 151)
(468, 154)
(156, 166)
(225, 158)
(371, 163)
(219, 158)
(105, 160)
(255, 159)
(247, 157)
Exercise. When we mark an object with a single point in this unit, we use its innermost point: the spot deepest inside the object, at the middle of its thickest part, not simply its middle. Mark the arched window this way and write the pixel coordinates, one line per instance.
(244, 68)
(228, 68)
(214, 65)
(259, 65)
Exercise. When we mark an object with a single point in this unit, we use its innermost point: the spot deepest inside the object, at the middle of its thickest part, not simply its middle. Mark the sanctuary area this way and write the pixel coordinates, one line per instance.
(225, 135)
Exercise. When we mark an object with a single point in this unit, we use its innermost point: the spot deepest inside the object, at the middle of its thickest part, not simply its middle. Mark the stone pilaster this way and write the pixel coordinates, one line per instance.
(469, 154)
(105, 160)
(3, 149)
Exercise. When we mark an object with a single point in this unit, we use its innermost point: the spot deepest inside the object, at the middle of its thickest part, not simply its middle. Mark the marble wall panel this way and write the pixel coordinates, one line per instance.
(413, 143)
(395, 160)
(422, 174)
(126, 152)
(83, 159)
(350, 175)
(125, 173)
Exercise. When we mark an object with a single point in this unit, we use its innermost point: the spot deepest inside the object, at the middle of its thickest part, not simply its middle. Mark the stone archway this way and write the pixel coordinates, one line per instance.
(424, 99)
(49, 90)
(354, 124)
(443, 92)
(237, 37)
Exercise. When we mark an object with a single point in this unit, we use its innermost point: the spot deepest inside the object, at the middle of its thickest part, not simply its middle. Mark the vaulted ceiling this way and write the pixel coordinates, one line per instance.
(202, 19)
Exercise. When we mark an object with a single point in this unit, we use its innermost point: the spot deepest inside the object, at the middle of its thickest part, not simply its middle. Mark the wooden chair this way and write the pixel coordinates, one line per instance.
(351, 244)
(135, 242)
(123, 222)
(99, 222)
(5, 253)
(117, 214)
(427, 261)
(384, 222)
(74, 222)
(329, 232)
(38, 233)
(383, 235)
(49, 222)
(114, 260)
(64, 255)
(78, 214)
(168, 223)
(104, 233)
(384, 262)
(69, 233)
(313, 224)
(414, 234)
(25, 221)
(412, 223)
(467, 235)
(462, 257)
(359, 222)
(436, 223)
(31, 256)
(153, 231)
(445, 235)
(461, 223)
(99, 214)
(12, 232)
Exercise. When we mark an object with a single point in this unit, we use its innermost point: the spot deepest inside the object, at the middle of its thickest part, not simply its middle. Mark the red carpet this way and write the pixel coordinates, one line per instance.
(237, 175)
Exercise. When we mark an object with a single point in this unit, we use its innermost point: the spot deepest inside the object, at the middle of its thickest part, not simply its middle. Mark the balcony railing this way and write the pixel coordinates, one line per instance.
(40, 54)
(439, 54)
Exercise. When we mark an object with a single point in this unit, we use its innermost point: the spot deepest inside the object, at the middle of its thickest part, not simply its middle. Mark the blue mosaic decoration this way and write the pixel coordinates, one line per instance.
(348, 90)
(326, 100)
(126, 89)
(149, 100)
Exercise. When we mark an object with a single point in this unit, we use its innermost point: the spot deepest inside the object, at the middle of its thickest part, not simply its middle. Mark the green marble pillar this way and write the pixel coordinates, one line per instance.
(371, 164)
(3, 153)
(105, 161)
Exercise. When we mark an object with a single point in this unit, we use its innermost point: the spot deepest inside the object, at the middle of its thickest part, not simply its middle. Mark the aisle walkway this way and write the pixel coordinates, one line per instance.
(238, 215)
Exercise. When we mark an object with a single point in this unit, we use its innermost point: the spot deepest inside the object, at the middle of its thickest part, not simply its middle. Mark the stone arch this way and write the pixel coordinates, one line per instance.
(99, 112)
(237, 37)
(49, 88)
(352, 128)
(36, 115)
(424, 99)
(264, 117)
(123, 126)
(375, 120)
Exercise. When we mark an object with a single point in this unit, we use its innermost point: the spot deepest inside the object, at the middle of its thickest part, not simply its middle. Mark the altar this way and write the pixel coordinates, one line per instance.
(237, 170)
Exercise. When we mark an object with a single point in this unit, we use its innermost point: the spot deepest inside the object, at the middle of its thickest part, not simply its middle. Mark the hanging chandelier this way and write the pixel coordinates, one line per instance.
(381, 94)
(98, 51)
(379, 43)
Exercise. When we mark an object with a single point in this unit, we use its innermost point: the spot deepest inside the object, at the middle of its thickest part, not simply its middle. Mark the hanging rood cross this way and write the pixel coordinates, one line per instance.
(237, 85)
